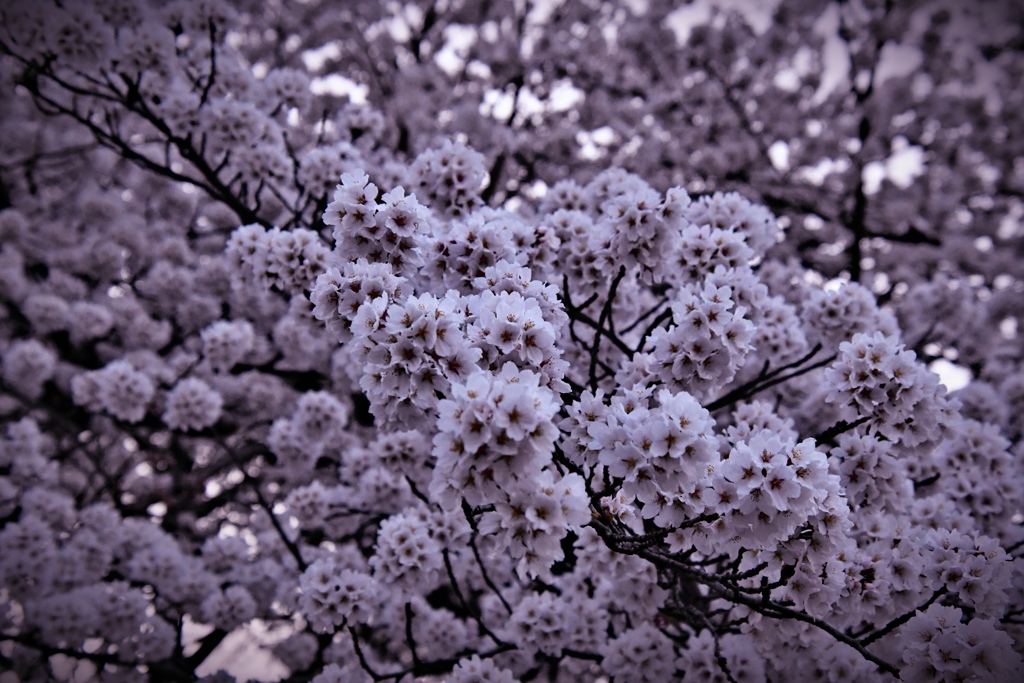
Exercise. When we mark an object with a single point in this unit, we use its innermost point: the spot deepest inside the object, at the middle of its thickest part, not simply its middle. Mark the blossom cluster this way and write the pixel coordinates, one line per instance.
(875, 377)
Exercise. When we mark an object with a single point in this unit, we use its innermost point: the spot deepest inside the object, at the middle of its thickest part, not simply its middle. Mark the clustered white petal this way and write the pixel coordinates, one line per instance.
(192, 404)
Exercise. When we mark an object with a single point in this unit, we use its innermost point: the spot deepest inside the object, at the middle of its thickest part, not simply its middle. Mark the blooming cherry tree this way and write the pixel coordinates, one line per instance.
(564, 346)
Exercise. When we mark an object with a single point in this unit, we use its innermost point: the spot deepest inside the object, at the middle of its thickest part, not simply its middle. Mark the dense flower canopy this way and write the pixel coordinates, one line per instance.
(440, 340)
